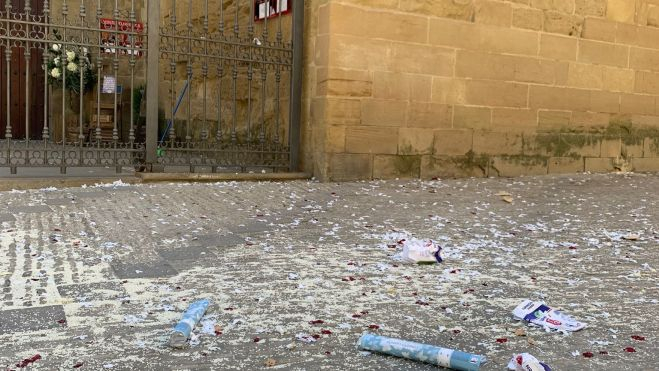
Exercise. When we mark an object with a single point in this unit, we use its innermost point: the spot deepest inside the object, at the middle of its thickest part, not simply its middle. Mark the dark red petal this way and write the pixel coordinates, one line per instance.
(326, 332)
(27, 361)
(502, 340)
(316, 322)
(257, 339)
(639, 338)
(78, 365)
(373, 327)
(588, 354)
(456, 331)
(630, 350)
(315, 336)
(604, 352)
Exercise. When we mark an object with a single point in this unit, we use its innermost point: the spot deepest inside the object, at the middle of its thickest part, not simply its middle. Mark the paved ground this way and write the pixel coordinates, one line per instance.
(96, 277)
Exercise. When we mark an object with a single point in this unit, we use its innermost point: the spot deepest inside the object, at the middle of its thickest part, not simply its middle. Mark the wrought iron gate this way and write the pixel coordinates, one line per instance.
(203, 85)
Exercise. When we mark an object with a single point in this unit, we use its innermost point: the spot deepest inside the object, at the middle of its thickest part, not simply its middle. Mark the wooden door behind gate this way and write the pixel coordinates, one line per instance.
(18, 72)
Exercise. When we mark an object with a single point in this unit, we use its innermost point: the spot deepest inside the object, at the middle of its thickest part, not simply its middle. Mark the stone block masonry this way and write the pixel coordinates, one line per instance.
(450, 88)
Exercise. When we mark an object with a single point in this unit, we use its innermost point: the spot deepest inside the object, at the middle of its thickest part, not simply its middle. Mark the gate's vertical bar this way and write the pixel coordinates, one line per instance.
(234, 76)
(264, 76)
(250, 74)
(296, 85)
(280, 44)
(81, 55)
(45, 134)
(188, 120)
(115, 69)
(204, 72)
(220, 76)
(131, 62)
(153, 81)
(99, 69)
(28, 56)
(8, 52)
(65, 62)
(172, 77)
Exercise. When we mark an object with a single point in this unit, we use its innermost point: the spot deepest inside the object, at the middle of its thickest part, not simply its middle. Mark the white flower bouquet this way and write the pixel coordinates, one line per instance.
(67, 63)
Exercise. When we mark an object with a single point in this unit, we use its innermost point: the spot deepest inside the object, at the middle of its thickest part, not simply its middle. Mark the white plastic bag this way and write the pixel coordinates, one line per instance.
(527, 362)
(421, 252)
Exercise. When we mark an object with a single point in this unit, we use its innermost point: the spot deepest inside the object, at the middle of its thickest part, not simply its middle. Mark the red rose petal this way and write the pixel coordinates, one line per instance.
(78, 365)
(356, 315)
(456, 331)
(502, 340)
(315, 336)
(630, 350)
(257, 339)
(604, 352)
(373, 327)
(316, 322)
(639, 338)
(27, 361)
(326, 332)
(588, 354)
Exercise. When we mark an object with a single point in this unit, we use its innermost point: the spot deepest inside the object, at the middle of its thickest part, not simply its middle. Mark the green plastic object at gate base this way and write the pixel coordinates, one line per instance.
(443, 357)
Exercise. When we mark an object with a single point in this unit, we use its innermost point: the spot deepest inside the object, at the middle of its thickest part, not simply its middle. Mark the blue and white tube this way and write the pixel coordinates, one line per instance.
(181, 333)
(443, 357)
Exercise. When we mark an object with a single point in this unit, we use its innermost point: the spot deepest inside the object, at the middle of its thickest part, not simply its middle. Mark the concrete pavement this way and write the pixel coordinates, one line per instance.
(95, 277)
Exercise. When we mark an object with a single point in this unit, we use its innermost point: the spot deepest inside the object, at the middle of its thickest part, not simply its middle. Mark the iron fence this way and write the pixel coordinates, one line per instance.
(204, 85)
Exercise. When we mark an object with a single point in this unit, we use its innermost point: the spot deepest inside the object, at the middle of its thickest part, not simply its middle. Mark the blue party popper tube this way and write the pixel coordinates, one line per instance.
(181, 333)
(443, 357)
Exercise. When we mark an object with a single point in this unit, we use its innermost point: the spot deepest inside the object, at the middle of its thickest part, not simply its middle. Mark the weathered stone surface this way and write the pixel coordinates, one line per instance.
(621, 10)
(31, 319)
(396, 166)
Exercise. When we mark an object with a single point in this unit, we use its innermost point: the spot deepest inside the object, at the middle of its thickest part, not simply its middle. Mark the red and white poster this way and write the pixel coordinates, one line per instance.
(270, 8)
(108, 42)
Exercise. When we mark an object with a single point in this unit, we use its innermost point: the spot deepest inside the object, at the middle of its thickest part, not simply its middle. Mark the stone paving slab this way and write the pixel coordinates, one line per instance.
(88, 292)
(31, 319)
(216, 240)
(60, 202)
(7, 218)
(330, 252)
(156, 268)
(31, 209)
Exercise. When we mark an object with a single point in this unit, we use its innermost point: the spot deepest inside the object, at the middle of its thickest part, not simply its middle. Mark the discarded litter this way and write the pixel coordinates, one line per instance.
(448, 358)
(421, 252)
(183, 329)
(305, 338)
(505, 196)
(539, 314)
(527, 362)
